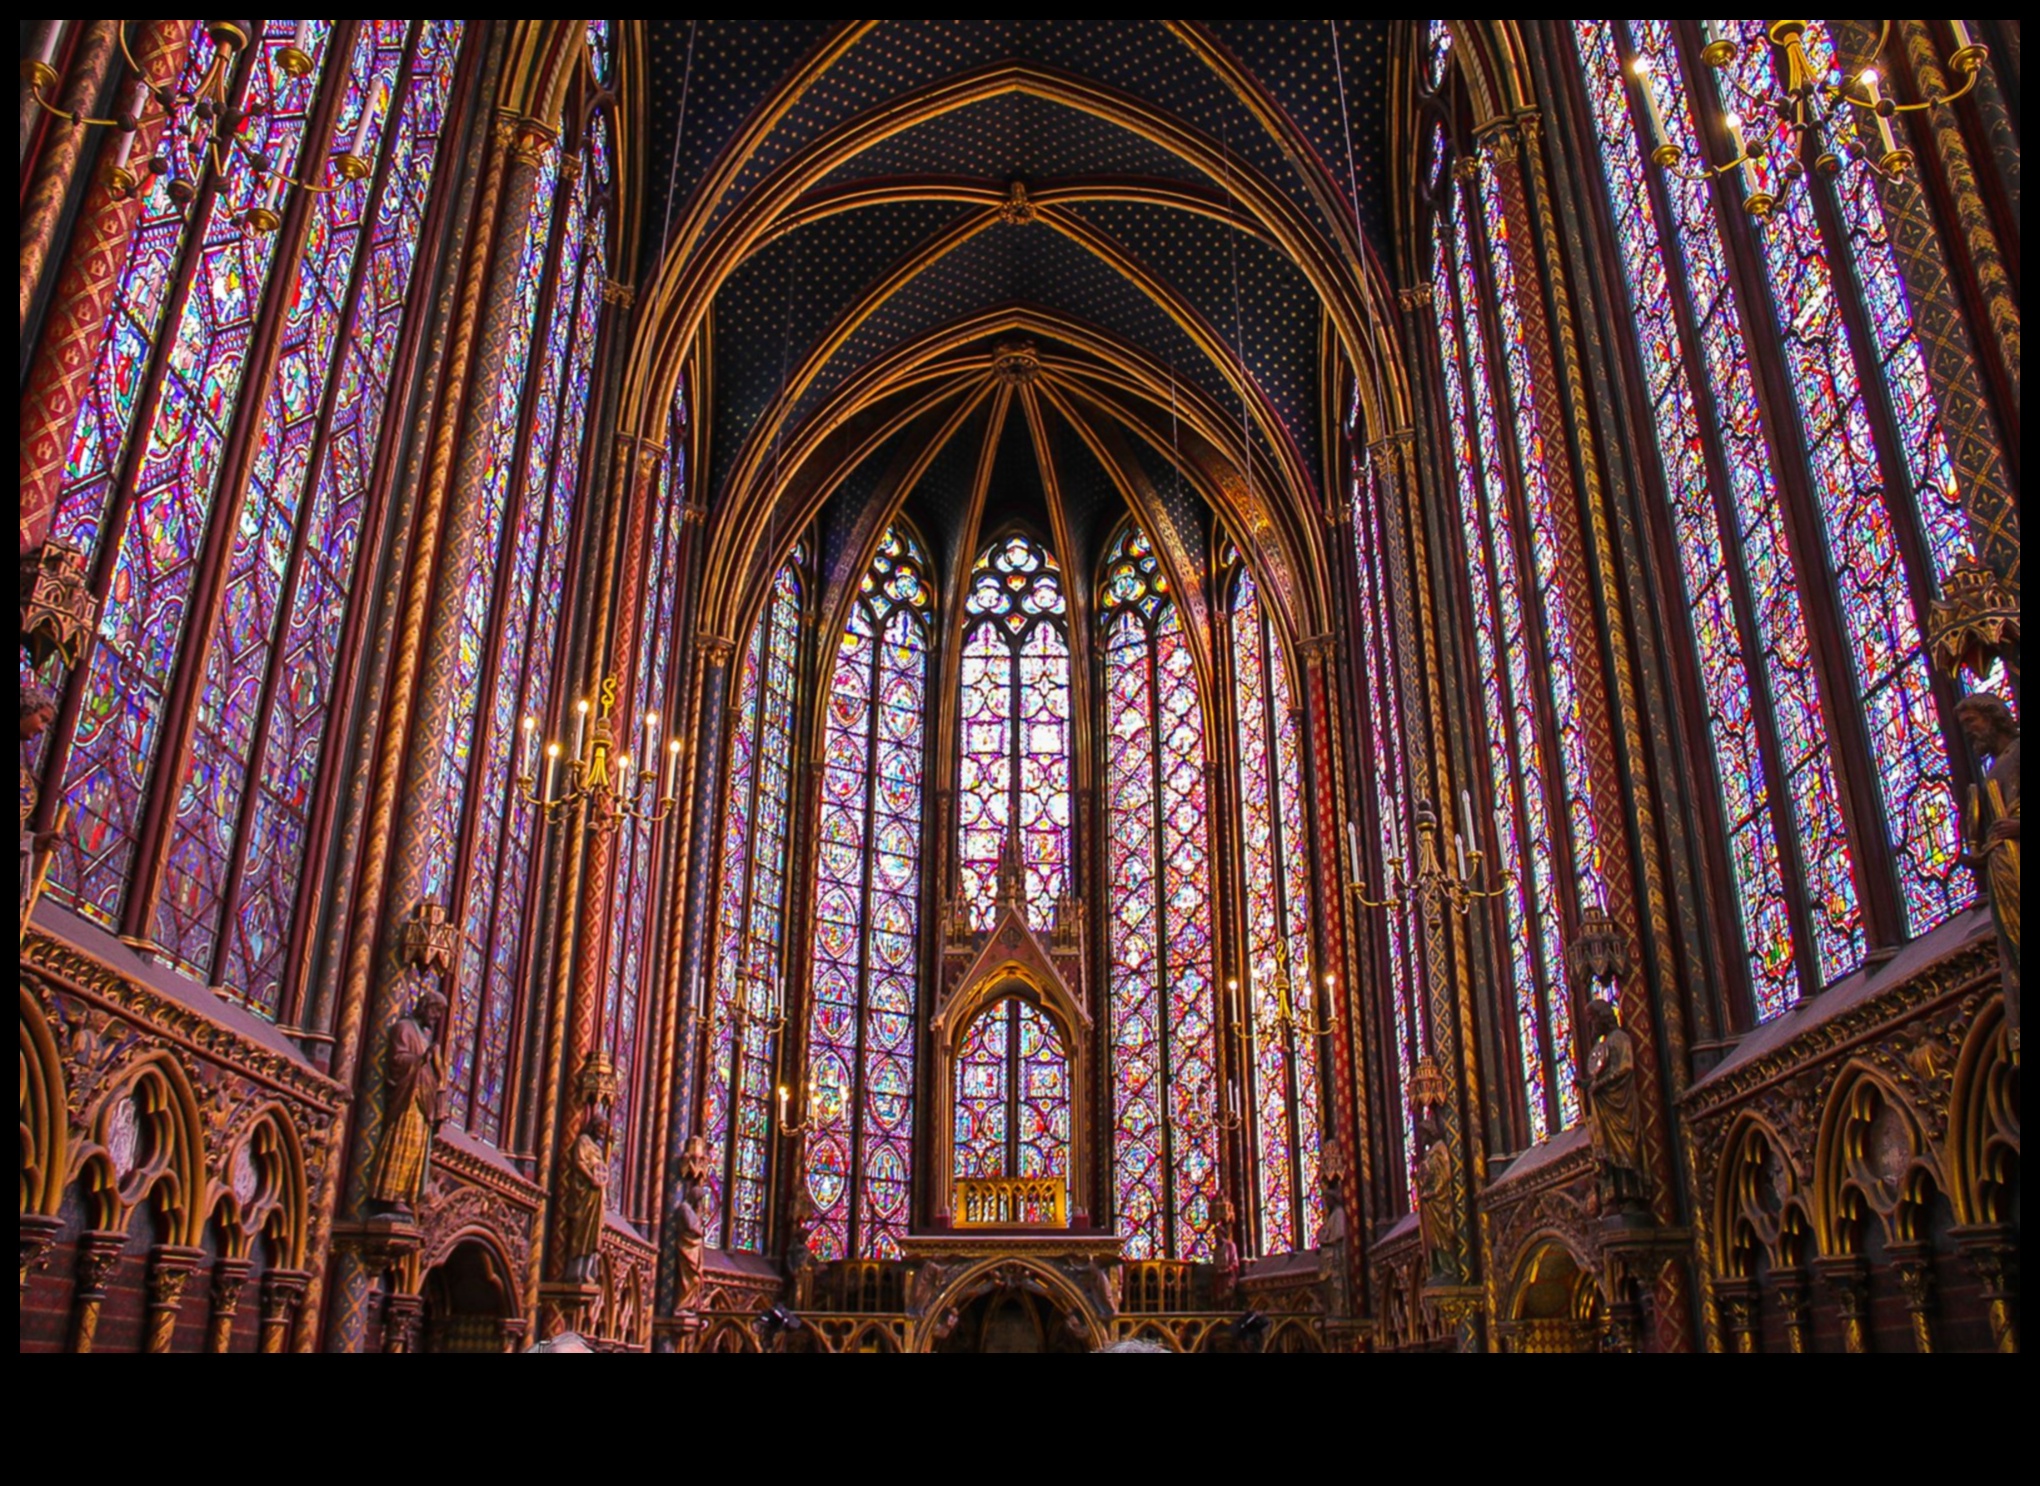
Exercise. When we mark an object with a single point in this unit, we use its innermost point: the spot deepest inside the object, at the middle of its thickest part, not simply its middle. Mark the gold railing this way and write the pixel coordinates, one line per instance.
(1011, 1202)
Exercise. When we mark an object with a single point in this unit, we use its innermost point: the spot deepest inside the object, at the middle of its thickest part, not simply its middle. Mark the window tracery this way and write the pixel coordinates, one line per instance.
(861, 1030)
(156, 494)
(1881, 506)
(748, 992)
(1284, 1095)
(1015, 756)
(1166, 1097)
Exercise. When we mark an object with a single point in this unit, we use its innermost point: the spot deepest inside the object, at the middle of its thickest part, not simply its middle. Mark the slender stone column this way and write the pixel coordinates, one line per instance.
(283, 1291)
(228, 1277)
(56, 165)
(98, 1252)
(171, 1267)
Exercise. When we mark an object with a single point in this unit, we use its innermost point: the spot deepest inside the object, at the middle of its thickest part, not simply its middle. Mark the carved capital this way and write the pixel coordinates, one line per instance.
(400, 1322)
(427, 940)
(1318, 649)
(283, 1291)
(38, 1236)
(1739, 1313)
(98, 1252)
(1848, 1282)
(1414, 299)
(615, 291)
(170, 1271)
(1974, 623)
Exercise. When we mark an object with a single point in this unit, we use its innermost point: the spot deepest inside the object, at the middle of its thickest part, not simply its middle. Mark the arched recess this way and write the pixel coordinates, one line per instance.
(45, 1120)
(1982, 1157)
(146, 1144)
(985, 1277)
(261, 1191)
(1761, 1212)
(1555, 1300)
(948, 1029)
(1873, 1161)
(469, 1292)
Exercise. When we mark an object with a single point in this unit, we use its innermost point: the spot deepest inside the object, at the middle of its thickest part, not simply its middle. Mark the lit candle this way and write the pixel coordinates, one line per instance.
(552, 770)
(1658, 141)
(651, 738)
(580, 724)
(623, 771)
(1232, 1102)
(359, 149)
(1884, 134)
(1238, 1002)
(672, 767)
(1352, 849)
(782, 1104)
(530, 746)
(1963, 39)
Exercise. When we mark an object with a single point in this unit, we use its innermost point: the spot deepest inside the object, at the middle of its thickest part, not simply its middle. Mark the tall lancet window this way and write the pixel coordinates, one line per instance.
(1386, 766)
(748, 993)
(636, 945)
(859, 1158)
(1868, 470)
(1283, 1093)
(1165, 1090)
(1015, 770)
(226, 478)
(1539, 788)
(483, 835)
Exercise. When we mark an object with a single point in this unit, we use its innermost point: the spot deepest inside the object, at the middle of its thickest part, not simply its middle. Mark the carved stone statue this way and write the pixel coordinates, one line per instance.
(582, 1192)
(38, 711)
(801, 1263)
(690, 1218)
(1612, 1105)
(413, 1074)
(1994, 828)
(927, 1284)
(1225, 1276)
(1434, 1193)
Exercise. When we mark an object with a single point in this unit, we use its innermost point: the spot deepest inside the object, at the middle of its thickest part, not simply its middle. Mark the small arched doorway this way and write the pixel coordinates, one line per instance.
(1558, 1305)
(467, 1300)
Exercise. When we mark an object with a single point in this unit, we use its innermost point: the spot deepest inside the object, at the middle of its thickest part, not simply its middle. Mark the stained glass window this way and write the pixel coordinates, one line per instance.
(633, 970)
(1385, 764)
(748, 989)
(1166, 1098)
(1012, 1094)
(1796, 871)
(1283, 1097)
(511, 596)
(861, 1024)
(1015, 774)
(1538, 782)
(227, 578)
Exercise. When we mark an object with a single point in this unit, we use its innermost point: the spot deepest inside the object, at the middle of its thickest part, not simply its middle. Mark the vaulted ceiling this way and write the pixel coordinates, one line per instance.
(1040, 270)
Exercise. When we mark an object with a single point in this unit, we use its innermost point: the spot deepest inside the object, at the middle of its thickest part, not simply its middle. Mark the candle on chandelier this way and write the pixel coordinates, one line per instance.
(1239, 1002)
(1352, 849)
(47, 54)
(302, 37)
(672, 768)
(782, 1104)
(530, 746)
(552, 772)
(1963, 40)
(359, 149)
(1659, 143)
(1884, 133)
(651, 754)
(580, 724)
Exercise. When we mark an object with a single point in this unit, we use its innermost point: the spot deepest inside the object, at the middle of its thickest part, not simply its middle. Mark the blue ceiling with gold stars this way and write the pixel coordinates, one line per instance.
(1135, 246)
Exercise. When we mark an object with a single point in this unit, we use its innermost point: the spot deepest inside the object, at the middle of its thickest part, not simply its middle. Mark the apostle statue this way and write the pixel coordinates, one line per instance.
(690, 1218)
(1226, 1271)
(413, 1074)
(1612, 1105)
(581, 1199)
(1994, 829)
(38, 711)
(1434, 1192)
(801, 1263)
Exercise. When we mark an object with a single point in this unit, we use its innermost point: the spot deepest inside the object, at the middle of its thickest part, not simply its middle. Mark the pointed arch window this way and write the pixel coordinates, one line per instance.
(636, 943)
(1525, 649)
(1282, 1072)
(865, 991)
(1015, 756)
(748, 992)
(225, 480)
(1012, 1094)
(483, 836)
(1165, 1090)
(1850, 536)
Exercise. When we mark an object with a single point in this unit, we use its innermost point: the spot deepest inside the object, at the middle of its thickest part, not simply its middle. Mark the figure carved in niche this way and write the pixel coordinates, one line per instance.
(927, 1284)
(581, 1199)
(1994, 830)
(690, 1218)
(413, 1074)
(801, 1263)
(1612, 1103)
(1434, 1193)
